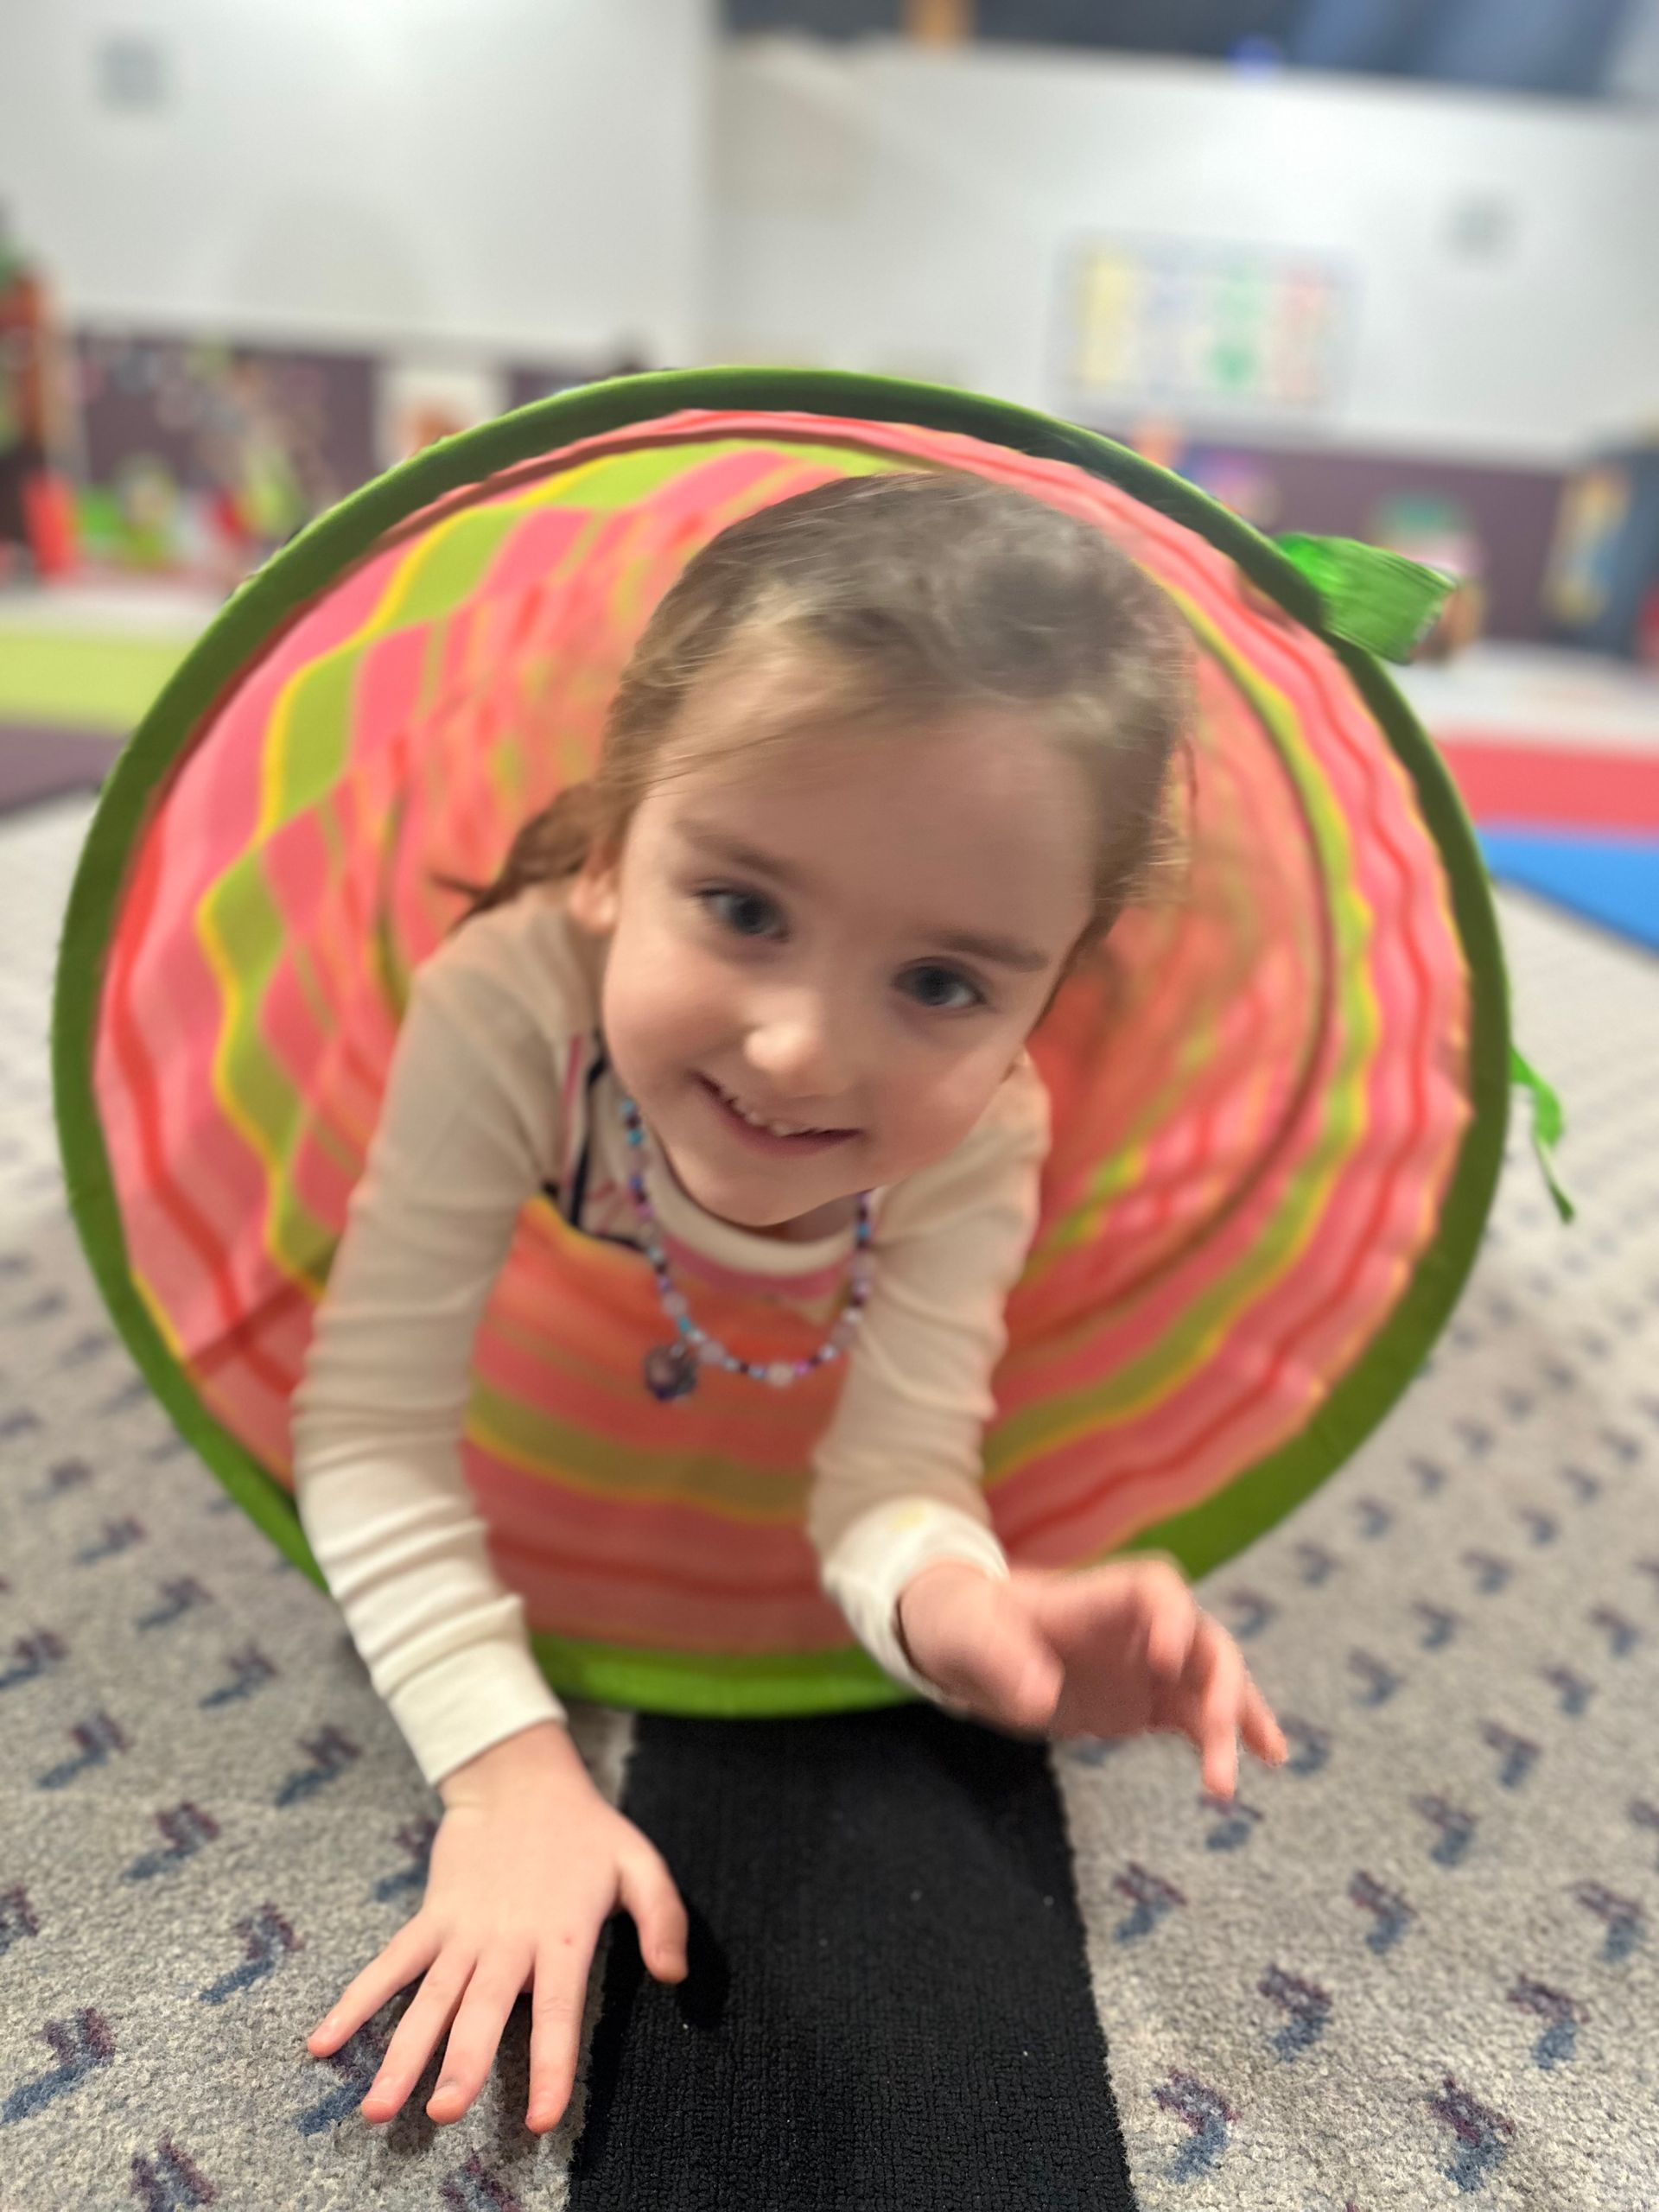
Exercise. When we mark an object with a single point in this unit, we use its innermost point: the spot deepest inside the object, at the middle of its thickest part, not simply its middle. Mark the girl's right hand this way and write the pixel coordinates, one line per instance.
(528, 1863)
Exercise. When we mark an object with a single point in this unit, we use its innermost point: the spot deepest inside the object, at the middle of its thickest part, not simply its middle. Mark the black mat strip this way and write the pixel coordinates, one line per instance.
(887, 2005)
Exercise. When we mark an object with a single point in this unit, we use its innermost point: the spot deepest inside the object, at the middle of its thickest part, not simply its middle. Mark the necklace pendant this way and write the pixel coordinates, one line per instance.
(670, 1371)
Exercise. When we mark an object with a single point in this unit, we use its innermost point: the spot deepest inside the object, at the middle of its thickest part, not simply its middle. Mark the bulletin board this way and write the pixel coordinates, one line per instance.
(1204, 331)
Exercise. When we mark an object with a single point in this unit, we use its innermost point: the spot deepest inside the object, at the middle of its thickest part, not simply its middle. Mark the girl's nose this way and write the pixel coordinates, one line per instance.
(799, 1047)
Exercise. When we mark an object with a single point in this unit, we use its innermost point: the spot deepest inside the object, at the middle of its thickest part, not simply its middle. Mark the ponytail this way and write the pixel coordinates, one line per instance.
(551, 845)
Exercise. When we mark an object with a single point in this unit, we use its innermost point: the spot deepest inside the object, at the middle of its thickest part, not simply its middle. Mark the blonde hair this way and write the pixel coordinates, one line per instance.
(923, 594)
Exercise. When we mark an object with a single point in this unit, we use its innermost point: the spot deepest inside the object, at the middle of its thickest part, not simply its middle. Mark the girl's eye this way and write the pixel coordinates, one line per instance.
(942, 990)
(745, 913)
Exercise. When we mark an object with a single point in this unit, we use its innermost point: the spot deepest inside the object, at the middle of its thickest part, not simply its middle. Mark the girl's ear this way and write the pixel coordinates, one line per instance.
(595, 892)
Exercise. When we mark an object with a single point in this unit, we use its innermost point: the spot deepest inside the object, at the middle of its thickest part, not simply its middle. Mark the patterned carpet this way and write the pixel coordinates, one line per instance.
(929, 1968)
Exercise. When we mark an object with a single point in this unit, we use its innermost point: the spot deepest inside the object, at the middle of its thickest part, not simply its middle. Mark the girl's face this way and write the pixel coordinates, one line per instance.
(825, 954)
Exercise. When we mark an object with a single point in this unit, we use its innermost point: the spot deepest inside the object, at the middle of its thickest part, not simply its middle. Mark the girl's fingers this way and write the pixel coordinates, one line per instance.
(491, 1995)
(410, 1951)
(1173, 1622)
(432, 2008)
(1018, 1676)
(556, 2011)
(1260, 1730)
(648, 1892)
(1222, 1673)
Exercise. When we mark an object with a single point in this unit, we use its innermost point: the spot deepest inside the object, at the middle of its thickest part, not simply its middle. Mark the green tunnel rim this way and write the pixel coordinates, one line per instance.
(784, 1683)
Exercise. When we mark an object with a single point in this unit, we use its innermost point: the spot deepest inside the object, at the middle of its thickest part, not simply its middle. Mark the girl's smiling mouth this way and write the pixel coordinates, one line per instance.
(764, 1132)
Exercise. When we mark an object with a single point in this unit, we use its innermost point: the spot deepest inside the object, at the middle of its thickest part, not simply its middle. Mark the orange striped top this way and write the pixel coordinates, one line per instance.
(500, 1092)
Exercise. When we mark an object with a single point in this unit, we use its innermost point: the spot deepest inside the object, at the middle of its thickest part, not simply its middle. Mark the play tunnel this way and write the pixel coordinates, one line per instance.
(1279, 1104)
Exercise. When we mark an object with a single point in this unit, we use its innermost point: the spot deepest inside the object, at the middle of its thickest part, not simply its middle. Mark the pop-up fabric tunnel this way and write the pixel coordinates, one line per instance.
(1279, 1106)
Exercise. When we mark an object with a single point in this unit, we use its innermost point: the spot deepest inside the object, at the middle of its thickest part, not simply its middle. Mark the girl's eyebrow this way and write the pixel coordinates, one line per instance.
(999, 952)
(716, 845)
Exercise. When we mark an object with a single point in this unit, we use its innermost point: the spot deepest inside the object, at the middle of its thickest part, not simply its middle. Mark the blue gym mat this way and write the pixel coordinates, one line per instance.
(1610, 877)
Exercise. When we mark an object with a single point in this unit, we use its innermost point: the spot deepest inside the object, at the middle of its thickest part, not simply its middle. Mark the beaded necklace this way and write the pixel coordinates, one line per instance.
(671, 1370)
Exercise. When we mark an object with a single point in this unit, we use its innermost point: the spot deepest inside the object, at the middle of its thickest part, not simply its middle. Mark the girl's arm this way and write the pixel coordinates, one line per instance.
(901, 1516)
(898, 1476)
(463, 1139)
(530, 1860)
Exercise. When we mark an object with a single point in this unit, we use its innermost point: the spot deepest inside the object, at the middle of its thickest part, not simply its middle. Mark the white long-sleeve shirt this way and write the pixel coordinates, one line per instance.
(498, 1090)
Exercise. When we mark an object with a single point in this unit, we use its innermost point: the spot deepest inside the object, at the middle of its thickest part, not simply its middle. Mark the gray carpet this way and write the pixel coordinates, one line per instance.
(1415, 1968)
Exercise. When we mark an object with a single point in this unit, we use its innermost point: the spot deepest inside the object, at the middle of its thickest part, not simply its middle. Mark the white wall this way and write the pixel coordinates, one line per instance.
(531, 177)
(884, 209)
(522, 174)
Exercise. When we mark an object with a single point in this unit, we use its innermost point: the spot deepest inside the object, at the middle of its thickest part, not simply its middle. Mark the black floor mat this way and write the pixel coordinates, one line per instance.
(887, 2002)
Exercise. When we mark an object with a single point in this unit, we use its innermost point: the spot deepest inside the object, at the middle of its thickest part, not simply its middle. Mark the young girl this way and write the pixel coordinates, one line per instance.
(888, 759)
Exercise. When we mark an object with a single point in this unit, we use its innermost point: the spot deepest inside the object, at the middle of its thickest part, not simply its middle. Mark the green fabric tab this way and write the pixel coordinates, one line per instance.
(1548, 1127)
(1378, 600)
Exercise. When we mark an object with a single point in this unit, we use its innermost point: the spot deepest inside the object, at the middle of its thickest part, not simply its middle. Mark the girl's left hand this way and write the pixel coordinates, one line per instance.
(1115, 1651)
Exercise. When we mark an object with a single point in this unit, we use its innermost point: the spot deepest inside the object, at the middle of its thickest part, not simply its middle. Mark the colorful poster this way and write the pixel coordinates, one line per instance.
(1204, 331)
